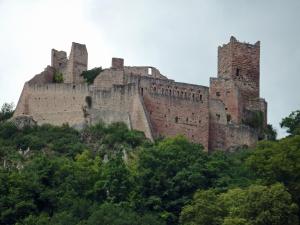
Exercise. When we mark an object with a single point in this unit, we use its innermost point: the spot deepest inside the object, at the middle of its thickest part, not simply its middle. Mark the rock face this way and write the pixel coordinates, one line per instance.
(23, 121)
(146, 100)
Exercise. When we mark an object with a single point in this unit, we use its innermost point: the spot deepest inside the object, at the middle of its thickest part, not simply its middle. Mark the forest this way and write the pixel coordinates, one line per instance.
(110, 175)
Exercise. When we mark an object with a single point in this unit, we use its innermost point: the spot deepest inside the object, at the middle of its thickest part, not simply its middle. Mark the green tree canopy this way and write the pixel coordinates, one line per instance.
(292, 123)
(7, 111)
(256, 205)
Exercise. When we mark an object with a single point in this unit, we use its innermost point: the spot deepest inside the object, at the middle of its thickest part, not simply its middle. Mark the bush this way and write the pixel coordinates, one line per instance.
(58, 78)
(90, 75)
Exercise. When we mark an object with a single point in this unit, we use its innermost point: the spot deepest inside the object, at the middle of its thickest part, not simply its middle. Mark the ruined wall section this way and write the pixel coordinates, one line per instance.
(108, 78)
(72, 67)
(176, 108)
(147, 71)
(59, 59)
(44, 77)
(53, 103)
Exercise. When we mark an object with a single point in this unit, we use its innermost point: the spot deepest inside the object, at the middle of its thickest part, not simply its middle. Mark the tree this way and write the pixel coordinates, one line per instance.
(7, 111)
(270, 133)
(292, 123)
(204, 209)
(115, 183)
(114, 214)
(169, 173)
(278, 162)
(255, 205)
(90, 75)
(259, 205)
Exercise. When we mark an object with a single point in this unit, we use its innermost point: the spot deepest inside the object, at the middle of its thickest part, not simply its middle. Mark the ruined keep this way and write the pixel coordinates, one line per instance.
(226, 115)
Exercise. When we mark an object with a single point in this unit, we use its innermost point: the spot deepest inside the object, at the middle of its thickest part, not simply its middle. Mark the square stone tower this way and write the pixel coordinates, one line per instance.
(239, 62)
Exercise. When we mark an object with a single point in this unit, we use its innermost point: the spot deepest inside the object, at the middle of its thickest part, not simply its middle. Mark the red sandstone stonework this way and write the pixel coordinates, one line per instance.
(145, 100)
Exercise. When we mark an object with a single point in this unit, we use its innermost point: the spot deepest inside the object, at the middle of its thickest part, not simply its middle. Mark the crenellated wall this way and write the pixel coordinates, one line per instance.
(176, 108)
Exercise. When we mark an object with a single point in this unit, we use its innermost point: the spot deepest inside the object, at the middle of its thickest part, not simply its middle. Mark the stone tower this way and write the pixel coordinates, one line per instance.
(240, 62)
(71, 68)
(234, 95)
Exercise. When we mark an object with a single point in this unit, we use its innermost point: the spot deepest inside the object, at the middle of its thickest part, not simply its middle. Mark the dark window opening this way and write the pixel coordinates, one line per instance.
(88, 100)
(187, 120)
(218, 94)
(154, 88)
(165, 116)
(74, 86)
(237, 73)
(193, 96)
(228, 118)
(199, 121)
(170, 92)
(176, 119)
(226, 108)
(142, 91)
(200, 97)
(218, 116)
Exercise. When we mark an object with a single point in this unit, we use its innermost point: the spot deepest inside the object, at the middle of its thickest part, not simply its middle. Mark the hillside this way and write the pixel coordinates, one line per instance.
(107, 174)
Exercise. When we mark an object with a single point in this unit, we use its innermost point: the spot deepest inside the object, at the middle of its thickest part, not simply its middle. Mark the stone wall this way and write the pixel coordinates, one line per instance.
(176, 108)
(148, 71)
(121, 103)
(228, 93)
(53, 103)
(109, 77)
(44, 77)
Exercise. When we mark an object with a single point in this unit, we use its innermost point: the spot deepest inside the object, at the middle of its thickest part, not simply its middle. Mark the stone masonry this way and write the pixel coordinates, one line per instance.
(145, 100)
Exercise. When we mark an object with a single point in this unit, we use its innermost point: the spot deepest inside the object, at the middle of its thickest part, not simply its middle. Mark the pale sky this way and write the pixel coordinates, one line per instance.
(179, 37)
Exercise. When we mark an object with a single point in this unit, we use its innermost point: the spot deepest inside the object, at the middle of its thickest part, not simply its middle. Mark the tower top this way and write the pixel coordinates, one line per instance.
(239, 61)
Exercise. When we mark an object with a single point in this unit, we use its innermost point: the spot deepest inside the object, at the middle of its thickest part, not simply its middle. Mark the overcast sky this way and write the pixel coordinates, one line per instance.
(179, 37)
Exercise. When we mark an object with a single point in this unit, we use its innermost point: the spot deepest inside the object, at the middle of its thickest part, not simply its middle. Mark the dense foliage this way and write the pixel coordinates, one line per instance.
(292, 123)
(90, 75)
(58, 78)
(114, 176)
(6, 111)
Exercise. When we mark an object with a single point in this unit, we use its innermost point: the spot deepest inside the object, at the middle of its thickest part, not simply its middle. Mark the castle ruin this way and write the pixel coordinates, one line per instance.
(140, 96)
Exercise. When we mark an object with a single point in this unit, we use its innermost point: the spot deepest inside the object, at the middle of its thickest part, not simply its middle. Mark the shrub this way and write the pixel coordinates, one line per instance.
(90, 75)
(58, 77)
